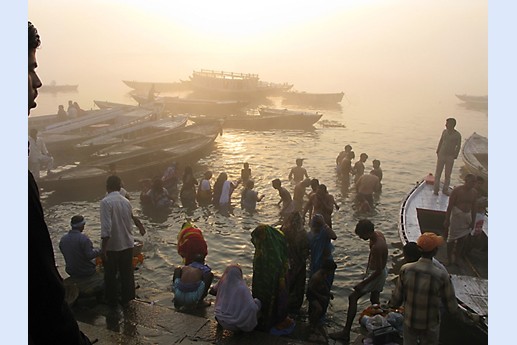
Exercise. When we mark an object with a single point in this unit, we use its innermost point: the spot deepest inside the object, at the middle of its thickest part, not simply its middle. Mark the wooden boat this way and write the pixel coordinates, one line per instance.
(54, 88)
(61, 137)
(296, 97)
(42, 121)
(144, 86)
(139, 159)
(422, 211)
(109, 105)
(126, 134)
(178, 105)
(267, 119)
(475, 156)
(234, 85)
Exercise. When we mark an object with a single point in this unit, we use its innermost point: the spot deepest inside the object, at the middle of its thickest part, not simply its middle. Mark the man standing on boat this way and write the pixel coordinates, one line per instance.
(376, 273)
(420, 288)
(460, 217)
(447, 151)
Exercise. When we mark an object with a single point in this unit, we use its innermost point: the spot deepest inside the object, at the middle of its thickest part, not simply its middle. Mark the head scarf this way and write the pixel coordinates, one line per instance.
(234, 304)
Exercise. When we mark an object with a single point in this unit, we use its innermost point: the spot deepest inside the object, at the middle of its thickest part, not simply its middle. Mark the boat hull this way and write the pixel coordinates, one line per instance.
(142, 86)
(263, 122)
(312, 98)
(475, 157)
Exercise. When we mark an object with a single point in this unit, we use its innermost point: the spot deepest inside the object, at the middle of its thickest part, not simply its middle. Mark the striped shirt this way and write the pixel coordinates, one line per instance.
(421, 286)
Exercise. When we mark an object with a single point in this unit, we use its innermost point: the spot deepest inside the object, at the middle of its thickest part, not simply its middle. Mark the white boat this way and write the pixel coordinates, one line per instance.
(109, 105)
(126, 134)
(423, 211)
(61, 137)
(475, 156)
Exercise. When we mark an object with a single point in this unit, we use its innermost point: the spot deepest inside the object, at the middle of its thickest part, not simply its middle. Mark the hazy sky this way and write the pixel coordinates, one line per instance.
(327, 46)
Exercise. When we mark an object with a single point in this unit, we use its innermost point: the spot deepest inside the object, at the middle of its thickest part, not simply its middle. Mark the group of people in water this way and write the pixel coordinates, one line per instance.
(173, 187)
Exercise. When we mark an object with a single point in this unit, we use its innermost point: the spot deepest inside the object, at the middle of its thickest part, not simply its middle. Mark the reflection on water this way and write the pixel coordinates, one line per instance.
(402, 136)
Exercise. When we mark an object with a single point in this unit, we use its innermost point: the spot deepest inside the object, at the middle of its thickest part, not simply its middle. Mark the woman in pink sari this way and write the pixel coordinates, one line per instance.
(235, 307)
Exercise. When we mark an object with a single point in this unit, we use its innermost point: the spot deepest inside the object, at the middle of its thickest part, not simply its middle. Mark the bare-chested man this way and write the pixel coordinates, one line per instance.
(298, 172)
(460, 217)
(358, 169)
(343, 154)
(285, 198)
(366, 185)
(299, 193)
(323, 203)
(345, 168)
(376, 274)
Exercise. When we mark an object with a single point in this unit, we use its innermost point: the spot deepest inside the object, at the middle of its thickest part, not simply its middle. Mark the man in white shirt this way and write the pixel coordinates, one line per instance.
(38, 155)
(117, 242)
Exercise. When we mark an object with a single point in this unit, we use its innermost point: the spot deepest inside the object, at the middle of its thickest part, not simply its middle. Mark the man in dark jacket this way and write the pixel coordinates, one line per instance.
(50, 320)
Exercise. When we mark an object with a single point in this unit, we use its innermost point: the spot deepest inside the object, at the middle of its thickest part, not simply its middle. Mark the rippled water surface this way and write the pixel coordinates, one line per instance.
(402, 135)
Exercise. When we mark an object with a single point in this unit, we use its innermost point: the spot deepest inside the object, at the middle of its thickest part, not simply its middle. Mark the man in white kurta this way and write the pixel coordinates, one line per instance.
(117, 243)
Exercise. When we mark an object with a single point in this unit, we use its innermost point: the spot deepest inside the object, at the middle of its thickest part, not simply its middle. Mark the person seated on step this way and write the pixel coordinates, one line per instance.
(191, 283)
(79, 255)
(235, 308)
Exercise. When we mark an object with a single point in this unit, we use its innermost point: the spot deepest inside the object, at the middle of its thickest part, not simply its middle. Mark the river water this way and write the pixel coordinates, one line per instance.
(402, 134)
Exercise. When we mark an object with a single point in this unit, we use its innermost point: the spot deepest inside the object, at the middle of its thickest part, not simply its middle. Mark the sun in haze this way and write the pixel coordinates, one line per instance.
(233, 19)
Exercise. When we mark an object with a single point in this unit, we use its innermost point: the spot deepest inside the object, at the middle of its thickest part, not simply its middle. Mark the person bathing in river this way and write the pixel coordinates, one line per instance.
(365, 186)
(347, 152)
(358, 169)
(188, 188)
(245, 173)
(249, 197)
(298, 173)
(322, 203)
(299, 193)
(204, 191)
(157, 195)
(377, 171)
(285, 198)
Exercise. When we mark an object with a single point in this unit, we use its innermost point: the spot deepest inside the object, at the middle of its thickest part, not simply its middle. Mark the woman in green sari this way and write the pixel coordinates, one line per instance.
(269, 284)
